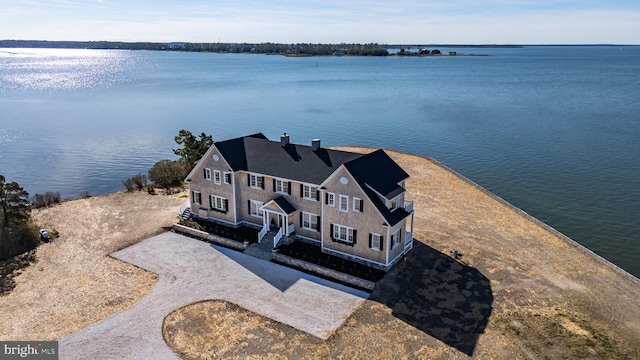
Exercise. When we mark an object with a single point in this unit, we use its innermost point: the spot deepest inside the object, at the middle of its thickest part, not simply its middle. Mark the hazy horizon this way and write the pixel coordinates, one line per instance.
(482, 22)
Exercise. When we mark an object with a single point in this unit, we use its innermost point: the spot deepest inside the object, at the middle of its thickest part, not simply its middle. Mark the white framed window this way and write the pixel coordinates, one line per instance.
(395, 238)
(375, 241)
(310, 221)
(331, 199)
(254, 208)
(217, 177)
(282, 187)
(207, 174)
(196, 197)
(217, 203)
(344, 203)
(227, 177)
(256, 182)
(309, 192)
(357, 204)
(393, 204)
(343, 234)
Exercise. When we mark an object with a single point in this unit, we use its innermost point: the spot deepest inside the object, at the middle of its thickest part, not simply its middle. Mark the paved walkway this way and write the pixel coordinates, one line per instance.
(189, 271)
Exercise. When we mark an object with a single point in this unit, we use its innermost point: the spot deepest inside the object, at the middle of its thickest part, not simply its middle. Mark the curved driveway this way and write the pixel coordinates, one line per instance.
(189, 271)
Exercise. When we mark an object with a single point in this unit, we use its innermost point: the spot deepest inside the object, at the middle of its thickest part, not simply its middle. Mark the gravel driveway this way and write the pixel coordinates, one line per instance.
(189, 271)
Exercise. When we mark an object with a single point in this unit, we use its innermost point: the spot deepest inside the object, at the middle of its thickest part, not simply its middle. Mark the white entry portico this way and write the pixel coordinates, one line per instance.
(277, 216)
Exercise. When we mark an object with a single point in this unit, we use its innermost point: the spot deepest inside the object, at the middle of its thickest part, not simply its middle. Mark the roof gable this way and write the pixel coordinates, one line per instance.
(378, 171)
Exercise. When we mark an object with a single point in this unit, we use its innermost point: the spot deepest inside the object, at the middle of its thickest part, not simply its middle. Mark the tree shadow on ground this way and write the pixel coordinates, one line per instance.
(453, 305)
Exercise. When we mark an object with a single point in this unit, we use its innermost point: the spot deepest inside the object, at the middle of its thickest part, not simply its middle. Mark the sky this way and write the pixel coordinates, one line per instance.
(325, 21)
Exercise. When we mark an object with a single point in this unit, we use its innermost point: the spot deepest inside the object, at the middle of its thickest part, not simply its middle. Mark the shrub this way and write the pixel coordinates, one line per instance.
(166, 174)
(140, 181)
(128, 184)
(46, 199)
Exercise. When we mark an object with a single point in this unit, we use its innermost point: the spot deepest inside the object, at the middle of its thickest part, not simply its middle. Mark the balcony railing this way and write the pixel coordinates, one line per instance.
(408, 206)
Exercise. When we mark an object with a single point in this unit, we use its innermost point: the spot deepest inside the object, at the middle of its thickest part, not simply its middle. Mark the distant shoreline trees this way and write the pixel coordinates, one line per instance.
(307, 49)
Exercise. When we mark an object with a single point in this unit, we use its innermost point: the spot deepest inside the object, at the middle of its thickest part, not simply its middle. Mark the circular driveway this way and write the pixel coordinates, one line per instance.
(189, 271)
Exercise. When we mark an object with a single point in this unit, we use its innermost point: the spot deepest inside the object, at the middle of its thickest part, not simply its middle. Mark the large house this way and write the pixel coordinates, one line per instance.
(349, 204)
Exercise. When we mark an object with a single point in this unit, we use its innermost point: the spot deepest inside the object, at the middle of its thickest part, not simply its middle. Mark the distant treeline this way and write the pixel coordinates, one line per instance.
(372, 49)
(299, 49)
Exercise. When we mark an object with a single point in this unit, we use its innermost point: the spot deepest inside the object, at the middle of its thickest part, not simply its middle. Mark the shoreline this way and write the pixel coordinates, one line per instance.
(548, 227)
(531, 278)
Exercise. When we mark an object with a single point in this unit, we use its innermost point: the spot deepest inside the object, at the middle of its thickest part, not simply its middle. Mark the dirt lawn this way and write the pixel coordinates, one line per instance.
(519, 290)
(74, 282)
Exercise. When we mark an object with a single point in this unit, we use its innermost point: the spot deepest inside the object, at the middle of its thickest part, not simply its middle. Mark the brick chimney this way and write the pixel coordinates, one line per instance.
(315, 144)
(284, 140)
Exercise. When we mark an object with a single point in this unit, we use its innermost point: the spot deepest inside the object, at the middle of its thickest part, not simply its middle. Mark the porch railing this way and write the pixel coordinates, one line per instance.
(277, 238)
(184, 206)
(408, 240)
(262, 233)
(408, 206)
(291, 229)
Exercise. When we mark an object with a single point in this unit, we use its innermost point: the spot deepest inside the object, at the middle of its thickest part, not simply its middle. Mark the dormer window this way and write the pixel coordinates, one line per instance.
(393, 204)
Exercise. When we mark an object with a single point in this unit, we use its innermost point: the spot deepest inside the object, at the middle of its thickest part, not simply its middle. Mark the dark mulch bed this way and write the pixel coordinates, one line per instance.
(241, 233)
(313, 254)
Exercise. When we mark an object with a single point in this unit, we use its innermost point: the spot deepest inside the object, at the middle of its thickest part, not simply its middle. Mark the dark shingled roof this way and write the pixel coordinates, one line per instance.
(378, 171)
(255, 153)
(284, 205)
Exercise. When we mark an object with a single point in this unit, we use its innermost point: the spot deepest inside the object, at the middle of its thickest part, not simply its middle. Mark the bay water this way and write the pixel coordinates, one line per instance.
(554, 130)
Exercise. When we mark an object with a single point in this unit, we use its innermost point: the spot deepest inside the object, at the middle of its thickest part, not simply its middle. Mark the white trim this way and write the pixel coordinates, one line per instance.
(354, 256)
(397, 232)
(310, 239)
(402, 253)
(303, 213)
(388, 247)
(334, 173)
(322, 224)
(217, 177)
(207, 174)
(284, 184)
(251, 177)
(311, 187)
(198, 165)
(356, 200)
(235, 201)
(259, 205)
(340, 203)
(193, 197)
(379, 241)
(213, 202)
(333, 199)
(384, 197)
(348, 233)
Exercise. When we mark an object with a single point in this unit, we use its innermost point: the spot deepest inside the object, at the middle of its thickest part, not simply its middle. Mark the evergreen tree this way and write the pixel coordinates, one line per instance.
(192, 148)
(14, 203)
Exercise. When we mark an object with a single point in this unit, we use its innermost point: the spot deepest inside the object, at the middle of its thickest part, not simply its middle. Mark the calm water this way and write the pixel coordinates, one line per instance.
(553, 130)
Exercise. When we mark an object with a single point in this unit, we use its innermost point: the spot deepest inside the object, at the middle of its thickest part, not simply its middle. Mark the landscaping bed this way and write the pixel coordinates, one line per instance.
(240, 233)
(313, 254)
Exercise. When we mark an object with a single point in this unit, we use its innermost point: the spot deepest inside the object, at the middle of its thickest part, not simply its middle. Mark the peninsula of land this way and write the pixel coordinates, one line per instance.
(519, 290)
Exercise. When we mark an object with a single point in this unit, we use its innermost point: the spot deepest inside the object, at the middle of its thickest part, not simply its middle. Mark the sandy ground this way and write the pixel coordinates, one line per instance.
(74, 282)
(191, 271)
(519, 290)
